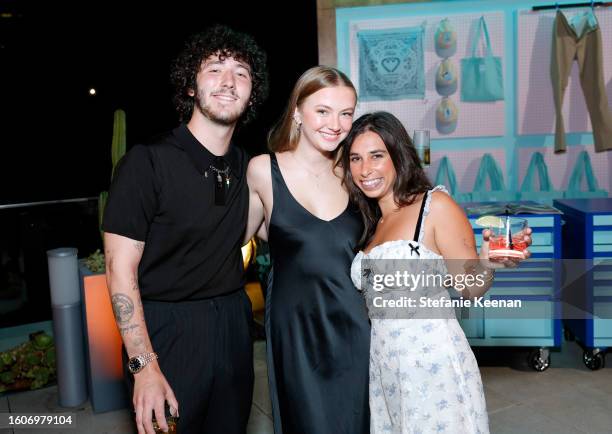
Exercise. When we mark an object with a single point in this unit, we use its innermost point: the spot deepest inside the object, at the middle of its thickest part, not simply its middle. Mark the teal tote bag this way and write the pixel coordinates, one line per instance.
(446, 176)
(498, 192)
(583, 168)
(546, 193)
(481, 77)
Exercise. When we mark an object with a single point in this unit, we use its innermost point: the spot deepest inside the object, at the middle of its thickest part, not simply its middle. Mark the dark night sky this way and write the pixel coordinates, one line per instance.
(56, 138)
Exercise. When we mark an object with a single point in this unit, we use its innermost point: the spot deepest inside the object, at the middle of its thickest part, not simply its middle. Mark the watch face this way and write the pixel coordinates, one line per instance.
(134, 365)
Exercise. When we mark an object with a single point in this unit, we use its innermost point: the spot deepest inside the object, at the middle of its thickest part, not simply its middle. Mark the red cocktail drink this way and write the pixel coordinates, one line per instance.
(507, 238)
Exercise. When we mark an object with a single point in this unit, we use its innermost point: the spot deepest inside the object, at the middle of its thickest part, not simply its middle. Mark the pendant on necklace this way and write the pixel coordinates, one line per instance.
(220, 191)
(222, 183)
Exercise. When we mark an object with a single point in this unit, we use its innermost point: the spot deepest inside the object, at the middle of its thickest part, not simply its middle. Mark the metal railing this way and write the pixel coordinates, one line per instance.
(45, 202)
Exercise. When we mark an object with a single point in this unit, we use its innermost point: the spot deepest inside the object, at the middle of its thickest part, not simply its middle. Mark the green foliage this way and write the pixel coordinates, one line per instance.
(95, 262)
(101, 206)
(119, 139)
(30, 365)
(118, 147)
(42, 341)
(262, 262)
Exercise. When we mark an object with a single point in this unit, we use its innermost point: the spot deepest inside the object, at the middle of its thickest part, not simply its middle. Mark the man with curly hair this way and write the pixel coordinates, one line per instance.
(174, 225)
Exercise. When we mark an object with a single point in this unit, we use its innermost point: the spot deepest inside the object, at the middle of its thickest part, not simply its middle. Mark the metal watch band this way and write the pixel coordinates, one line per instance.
(148, 358)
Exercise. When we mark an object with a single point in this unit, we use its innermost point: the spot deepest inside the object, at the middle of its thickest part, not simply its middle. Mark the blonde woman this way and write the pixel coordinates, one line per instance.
(316, 323)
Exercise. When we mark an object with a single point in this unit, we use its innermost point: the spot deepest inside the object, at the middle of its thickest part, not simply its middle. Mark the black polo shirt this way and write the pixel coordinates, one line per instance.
(160, 195)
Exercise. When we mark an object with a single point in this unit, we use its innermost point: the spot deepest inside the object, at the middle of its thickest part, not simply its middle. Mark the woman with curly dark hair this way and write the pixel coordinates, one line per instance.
(174, 223)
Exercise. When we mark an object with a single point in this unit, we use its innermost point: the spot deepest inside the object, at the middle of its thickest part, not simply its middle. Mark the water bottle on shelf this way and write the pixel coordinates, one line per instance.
(420, 140)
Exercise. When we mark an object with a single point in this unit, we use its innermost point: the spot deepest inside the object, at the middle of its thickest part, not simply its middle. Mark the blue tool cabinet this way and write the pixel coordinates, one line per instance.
(587, 240)
(535, 282)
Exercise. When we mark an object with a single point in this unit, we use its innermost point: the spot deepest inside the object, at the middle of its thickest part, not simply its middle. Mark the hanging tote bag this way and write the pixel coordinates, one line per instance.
(581, 169)
(498, 192)
(482, 77)
(546, 193)
(446, 176)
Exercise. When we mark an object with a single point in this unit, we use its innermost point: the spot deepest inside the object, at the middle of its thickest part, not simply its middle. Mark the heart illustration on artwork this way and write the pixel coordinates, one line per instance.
(390, 63)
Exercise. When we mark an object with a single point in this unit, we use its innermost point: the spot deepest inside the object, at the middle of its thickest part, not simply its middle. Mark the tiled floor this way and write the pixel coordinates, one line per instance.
(565, 399)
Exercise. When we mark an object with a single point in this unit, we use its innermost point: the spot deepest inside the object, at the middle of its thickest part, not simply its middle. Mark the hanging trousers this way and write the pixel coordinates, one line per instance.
(586, 49)
(206, 353)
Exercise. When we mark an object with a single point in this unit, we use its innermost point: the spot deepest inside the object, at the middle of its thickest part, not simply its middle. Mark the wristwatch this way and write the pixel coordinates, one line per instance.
(135, 364)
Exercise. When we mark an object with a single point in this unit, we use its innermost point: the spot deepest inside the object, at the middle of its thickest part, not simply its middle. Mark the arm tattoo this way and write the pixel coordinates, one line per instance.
(128, 329)
(135, 284)
(123, 308)
(139, 246)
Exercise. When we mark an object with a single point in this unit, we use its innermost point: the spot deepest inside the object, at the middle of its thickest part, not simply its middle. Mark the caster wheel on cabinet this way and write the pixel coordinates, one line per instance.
(539, 359)
(594, 359)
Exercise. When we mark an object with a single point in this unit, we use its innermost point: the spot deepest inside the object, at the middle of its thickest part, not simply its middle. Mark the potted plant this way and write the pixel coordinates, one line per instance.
(30, 365)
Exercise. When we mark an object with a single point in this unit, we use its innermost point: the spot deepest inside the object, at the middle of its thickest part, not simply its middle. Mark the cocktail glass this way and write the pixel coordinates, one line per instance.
(507, 238)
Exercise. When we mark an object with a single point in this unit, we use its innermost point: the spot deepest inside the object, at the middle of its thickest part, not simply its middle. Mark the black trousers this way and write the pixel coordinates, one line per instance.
(206, 353)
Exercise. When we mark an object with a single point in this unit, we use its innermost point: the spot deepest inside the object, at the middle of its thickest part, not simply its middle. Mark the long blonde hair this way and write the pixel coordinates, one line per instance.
(285, 135)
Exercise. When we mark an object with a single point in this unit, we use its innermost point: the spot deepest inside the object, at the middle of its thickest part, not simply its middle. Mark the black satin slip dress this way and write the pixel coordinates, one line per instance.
(317, 328)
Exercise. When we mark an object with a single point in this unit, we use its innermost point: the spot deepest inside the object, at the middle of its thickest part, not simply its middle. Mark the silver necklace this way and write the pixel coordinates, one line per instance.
(220, 174)
(221, 188)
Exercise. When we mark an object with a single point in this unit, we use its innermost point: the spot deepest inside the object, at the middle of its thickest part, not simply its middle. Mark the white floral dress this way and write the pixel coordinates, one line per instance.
(423, 374)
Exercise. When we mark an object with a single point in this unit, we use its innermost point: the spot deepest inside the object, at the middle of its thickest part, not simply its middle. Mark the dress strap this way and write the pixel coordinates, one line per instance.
(425, 210)
(417, 230)
(277, 178)
(281, 196)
